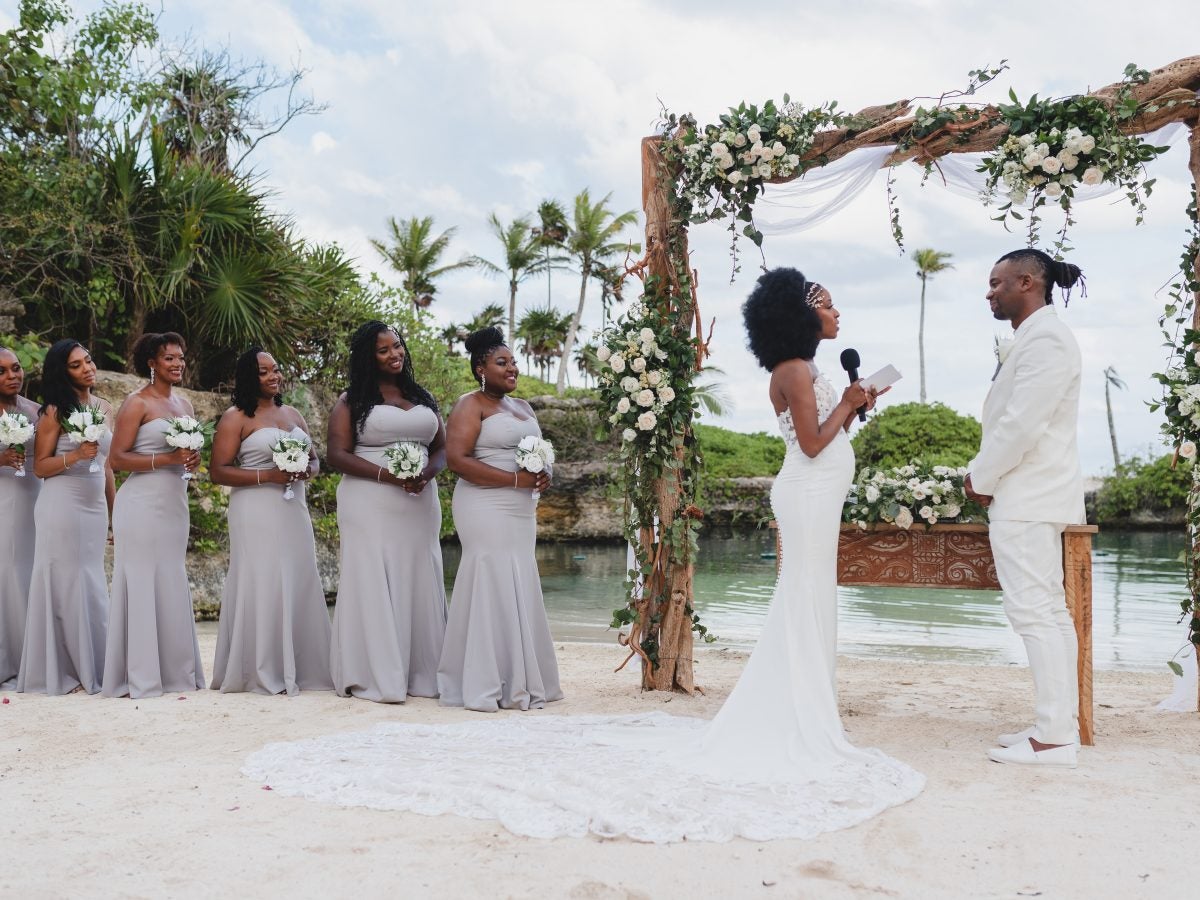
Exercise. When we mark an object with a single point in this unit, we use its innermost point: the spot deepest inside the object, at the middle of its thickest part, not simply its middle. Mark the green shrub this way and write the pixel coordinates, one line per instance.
(933, 433)
(731, 454)
(1141, 486)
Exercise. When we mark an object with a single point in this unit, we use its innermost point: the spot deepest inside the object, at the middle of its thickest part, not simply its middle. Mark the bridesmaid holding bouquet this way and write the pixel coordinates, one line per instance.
(152, 647)
(499, 652)
(274, 630)
(18, 494)
(65, 628)
(390, 617)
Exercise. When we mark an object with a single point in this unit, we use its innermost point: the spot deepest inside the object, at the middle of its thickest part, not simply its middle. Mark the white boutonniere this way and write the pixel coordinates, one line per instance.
(1002, 347)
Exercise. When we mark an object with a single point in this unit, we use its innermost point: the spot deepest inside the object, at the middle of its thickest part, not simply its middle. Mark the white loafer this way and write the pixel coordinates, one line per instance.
(1023, 754)
(1017, 737)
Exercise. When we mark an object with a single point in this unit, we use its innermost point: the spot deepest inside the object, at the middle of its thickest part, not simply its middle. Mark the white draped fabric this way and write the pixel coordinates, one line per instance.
(1183, 697)
(812, 199)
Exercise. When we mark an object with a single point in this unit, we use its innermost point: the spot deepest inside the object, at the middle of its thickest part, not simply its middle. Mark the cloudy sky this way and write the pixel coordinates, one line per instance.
(458, 109)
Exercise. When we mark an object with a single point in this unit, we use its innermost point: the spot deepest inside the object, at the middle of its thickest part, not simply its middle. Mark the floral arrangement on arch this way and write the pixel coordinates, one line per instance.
(636, 384)
(723, 167)
(906, 495)
(1053, 146)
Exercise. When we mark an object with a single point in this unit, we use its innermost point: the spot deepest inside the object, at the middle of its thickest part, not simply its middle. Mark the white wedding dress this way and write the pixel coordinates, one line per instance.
(773, 763)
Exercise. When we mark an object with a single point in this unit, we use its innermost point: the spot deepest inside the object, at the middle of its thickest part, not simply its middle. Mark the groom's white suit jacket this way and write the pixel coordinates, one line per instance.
(1028, 460)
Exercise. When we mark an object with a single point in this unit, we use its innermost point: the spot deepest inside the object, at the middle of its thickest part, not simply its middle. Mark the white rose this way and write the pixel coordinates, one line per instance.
(645, 398)
(628, 434)
(1092, 176)
(533, 464)
(1018, 197)
(630, 385)
(77, 419)
(646, 335)
(1187, 450)
(1072, 133)
(654, 378)
(617, 361)
(872, 493)
(660, 355)
(919, 494)
(603, 353)
(1026, 140)
(647, 420)
(1087, 144)
(735, 177)
(93, 433)
(1054, 190)
(1068, 179)
(666, 393)
(952, 510)
(904, 518)
(1068, 160)
(1031, 160)
(1051, 165)
(764, 170)
(638, 364)
(623, 405)
(719, 149)
(926, 512)
(739, 140)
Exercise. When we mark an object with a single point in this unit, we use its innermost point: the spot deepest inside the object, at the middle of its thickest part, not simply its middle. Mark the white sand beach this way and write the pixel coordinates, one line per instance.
(119, 798)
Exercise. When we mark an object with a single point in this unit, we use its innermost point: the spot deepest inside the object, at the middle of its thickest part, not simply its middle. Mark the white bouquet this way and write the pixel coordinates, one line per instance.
(535, 455)
(406, 459)
(187, 433)
(86, 426)
(15, 430)
(290, 455)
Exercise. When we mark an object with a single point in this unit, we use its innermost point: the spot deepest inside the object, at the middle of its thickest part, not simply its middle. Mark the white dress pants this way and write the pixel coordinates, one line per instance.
(1029, 565)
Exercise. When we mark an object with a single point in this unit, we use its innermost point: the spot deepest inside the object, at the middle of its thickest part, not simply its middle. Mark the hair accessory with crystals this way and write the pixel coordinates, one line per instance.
(813, 297)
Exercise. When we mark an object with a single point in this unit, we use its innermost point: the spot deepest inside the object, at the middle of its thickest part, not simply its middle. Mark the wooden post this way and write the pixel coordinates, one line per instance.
(1077, 583)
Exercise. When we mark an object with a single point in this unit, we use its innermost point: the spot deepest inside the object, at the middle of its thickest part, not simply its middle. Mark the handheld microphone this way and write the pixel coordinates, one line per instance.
(851, 362)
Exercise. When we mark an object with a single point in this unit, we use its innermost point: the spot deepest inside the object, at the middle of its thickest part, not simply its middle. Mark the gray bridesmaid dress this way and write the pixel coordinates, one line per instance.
(274, 632)
(498, 650)
(17, 499)
(152, 647)
(68, 597)
(390, 618)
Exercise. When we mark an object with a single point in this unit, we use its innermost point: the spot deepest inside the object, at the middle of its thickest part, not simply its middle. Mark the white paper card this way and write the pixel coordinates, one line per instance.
(885, 377)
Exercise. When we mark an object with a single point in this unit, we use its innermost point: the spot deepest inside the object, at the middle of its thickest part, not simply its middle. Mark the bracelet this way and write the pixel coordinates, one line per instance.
(66, 465)
(152, 455)
(379, 475)
(258, 476)
(515, 476)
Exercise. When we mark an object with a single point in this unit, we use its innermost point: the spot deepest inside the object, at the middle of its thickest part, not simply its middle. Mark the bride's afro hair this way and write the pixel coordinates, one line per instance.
(780, 325)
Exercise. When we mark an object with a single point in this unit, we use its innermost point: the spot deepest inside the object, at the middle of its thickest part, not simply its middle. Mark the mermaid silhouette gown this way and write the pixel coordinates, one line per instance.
(18, 497)
(498, 652)
(274, 632)
(390, 618)
(68, 597)
(152, 647)
(773, 763)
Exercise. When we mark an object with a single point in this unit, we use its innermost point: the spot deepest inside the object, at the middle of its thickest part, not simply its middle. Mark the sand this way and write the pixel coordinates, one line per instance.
(120, 798)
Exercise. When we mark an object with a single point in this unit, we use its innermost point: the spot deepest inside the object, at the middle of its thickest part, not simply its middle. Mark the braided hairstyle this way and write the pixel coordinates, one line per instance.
(780, 325)
(1051, 271)
(57, 390)
(245, 382)
(147, 348)
(480, 344)
(363, 394)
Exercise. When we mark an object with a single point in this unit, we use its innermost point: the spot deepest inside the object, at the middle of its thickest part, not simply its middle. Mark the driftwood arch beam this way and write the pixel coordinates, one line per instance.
(664, 607)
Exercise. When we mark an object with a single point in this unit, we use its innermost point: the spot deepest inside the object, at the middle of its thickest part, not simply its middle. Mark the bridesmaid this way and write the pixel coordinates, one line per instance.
(17, 498)
(274, 631)
(68, 598)
(152, 645)
(390, 618)
(498, 650)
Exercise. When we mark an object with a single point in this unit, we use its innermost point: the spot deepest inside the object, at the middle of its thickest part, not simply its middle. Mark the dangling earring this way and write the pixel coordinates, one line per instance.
(483, 382)
(152, 376)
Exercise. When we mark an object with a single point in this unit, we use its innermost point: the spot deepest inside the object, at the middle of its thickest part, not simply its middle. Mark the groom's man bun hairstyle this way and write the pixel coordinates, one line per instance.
(1049, 271)
(780, 325)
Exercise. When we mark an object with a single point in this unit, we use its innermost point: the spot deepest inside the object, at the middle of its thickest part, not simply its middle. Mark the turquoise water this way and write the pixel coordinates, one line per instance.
(1137, 580)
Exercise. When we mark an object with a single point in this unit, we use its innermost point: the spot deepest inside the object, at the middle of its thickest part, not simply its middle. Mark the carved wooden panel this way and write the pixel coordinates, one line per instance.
(947, 556)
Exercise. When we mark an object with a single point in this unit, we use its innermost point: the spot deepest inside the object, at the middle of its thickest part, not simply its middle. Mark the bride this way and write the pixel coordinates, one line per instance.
(773, 763)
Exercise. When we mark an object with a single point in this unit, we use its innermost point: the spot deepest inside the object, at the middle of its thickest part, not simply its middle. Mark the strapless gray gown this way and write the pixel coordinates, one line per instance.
(68, 596)
(152, 647)
(498, 652)
(17, 499)
(390, 618)
(274, 632)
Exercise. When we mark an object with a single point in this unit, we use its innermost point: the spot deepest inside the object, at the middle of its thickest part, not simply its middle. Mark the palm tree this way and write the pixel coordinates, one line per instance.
(929, 263)
(415, 254)
(524, 255)
(713, 395)
(587, 362)
(551, 233)
(1112, 380)
(542, 332)
(592, 240)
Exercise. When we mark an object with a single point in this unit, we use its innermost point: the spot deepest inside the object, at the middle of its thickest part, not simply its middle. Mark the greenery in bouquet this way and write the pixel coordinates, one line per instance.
(1053, 146)
(912, 494)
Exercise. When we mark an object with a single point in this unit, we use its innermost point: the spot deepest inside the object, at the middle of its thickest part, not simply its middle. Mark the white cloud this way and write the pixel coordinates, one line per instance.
(322, 141)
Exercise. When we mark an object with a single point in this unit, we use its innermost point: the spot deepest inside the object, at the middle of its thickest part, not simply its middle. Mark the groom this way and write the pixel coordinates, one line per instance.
(1027, 473)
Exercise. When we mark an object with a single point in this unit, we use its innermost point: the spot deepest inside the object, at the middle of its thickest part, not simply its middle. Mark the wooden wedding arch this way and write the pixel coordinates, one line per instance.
(662, 617)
